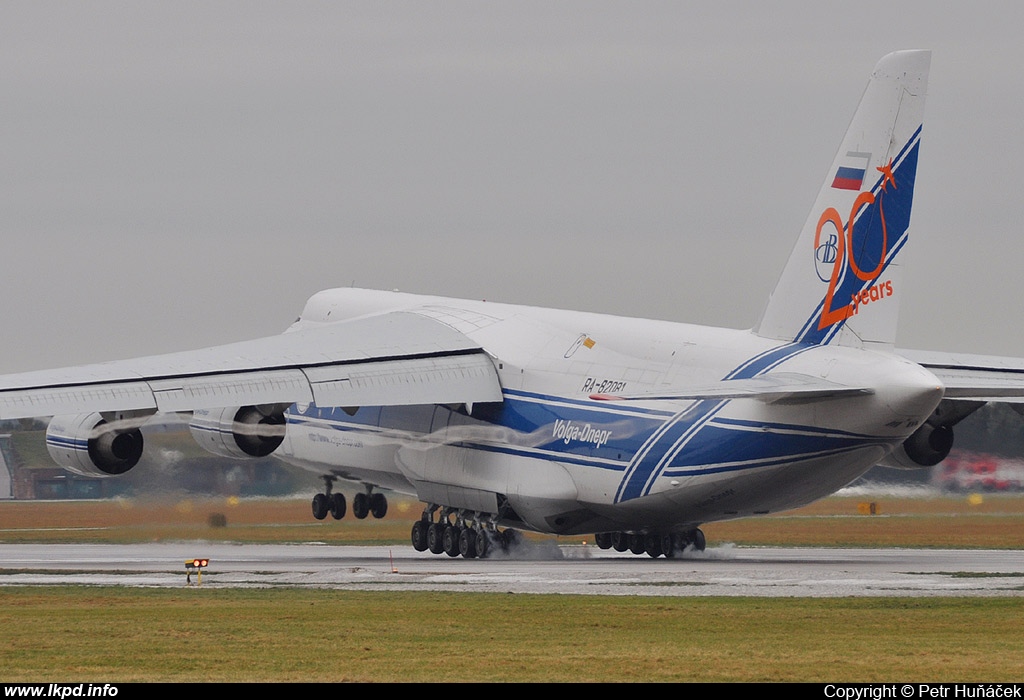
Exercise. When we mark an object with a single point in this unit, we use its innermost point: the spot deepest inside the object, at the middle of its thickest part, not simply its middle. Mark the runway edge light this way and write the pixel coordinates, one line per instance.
(196, 566)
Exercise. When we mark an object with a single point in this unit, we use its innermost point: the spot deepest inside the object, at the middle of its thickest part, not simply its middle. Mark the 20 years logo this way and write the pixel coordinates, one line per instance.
(834, 246)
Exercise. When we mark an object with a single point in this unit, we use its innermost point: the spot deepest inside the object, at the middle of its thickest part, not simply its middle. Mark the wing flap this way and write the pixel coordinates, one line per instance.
(50, 401)
(246, 388)
(446, 379)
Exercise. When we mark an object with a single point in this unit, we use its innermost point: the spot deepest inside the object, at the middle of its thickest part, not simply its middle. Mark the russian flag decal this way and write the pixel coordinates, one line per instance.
(850, 174)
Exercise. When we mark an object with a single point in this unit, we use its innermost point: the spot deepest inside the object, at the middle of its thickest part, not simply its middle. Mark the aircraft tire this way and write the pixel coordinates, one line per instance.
(699, 541)
(636, 543)
(652, 545)
(603, 540)
(620, 541)
(467, 543)
(320, 506)
(360, 505)
(451, 540)
(420, 529)
(509, 539)
(338, 506)
(435, 537)
(483, 543)
(378, 505)
(668, 546)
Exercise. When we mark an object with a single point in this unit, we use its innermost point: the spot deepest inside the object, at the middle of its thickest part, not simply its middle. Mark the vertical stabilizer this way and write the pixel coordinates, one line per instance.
(842, 283)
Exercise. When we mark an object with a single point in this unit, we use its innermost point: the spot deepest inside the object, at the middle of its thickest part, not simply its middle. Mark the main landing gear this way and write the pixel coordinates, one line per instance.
(459, 532)
(363, 504)
(369, 503)
(654, 544)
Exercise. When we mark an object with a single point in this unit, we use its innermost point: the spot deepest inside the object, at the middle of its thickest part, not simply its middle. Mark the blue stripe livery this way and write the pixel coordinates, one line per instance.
(644, 444)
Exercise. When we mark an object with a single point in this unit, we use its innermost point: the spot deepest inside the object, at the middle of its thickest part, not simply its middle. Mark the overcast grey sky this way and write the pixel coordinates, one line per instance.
(177, 175)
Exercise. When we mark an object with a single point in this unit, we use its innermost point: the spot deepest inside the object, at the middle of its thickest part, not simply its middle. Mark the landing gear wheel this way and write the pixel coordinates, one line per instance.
(320, 506)
(467, 543)
(420, 528)
(652, 545)
(509, 539)
(668, 546)
(698, 540)
(360, 505)
(483, 543)
(636, 543)
(620, 541)
(338, 506)
(435, 538)
(451, 540)
(603, 540)
(378, 505)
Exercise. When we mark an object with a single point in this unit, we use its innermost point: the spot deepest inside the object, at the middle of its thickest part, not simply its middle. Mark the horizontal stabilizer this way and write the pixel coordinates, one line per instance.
(974, 377)
(788, 387)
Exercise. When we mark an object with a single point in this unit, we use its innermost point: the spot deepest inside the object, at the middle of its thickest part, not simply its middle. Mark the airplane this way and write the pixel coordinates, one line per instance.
(504, 418)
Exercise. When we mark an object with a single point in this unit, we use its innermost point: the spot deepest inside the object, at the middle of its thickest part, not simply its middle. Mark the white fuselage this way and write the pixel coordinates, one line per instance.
(551, 458)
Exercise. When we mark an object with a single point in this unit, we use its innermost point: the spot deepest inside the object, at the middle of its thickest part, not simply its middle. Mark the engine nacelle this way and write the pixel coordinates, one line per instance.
(90, 446)
(240, 433)
(926, 447)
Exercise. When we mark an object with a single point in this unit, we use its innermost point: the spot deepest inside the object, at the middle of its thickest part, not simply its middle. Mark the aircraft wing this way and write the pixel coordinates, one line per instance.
(974, 377)
(770, 388)
(396, 358)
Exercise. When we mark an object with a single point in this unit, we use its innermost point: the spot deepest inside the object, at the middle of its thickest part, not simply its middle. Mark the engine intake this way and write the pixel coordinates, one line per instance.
(89, 445)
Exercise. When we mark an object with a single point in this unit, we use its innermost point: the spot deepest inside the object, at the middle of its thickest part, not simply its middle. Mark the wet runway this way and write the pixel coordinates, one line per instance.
(539, 568)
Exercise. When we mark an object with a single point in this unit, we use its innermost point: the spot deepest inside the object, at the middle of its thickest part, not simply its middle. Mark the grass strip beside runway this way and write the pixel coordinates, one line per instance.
(101, 634)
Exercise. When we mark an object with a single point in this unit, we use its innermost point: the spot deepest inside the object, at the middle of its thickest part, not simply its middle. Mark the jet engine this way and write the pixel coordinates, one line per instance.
(931, 443)
(926, 447)
(89, 445)
(240, 432)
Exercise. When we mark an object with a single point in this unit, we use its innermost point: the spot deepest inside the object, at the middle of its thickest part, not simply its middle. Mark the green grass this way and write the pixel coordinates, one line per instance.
(88, 634)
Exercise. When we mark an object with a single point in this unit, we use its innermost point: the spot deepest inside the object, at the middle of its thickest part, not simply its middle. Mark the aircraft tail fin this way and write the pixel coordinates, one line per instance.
(842, 282)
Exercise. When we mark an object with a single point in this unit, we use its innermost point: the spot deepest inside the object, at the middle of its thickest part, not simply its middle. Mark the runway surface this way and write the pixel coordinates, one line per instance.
(537, 568)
